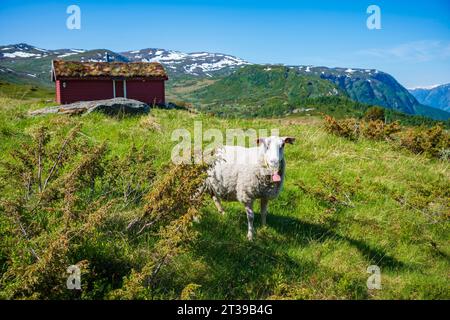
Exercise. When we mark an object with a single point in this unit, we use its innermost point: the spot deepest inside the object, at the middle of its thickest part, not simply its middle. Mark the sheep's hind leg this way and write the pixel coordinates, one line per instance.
(250, 218)
(218, 204)
(264, 203)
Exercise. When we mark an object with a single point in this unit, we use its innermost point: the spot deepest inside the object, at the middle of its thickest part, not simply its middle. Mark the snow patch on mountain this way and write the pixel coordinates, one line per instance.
(194, 63)
(67, 54)
(171, 56)
(429, 87)
(20, 54)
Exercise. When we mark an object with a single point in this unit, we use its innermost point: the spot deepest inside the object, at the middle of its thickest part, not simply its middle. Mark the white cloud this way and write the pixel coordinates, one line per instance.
(417, 51)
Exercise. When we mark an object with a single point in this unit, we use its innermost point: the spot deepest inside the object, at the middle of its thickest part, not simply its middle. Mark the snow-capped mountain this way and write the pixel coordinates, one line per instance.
(176, 63)
(23, 63)
(195, 63)
(23, 50)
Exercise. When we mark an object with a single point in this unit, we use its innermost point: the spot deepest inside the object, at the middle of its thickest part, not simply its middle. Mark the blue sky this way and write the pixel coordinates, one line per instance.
(413, 44)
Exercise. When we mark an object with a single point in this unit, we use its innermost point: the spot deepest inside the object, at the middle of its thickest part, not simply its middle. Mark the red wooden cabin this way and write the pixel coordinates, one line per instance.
(86, 81)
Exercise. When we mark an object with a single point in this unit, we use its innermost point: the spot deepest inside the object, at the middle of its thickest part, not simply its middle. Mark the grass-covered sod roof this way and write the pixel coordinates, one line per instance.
(76, 69)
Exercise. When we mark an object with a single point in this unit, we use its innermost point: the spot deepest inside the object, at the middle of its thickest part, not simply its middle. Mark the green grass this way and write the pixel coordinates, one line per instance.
(24, 91)
(345, 205)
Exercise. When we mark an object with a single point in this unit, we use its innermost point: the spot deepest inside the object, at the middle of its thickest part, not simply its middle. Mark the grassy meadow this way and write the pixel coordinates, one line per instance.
(345, 205)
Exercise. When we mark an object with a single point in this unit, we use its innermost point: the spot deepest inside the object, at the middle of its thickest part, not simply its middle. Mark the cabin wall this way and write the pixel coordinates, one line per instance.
(84, 90)
(148, 91)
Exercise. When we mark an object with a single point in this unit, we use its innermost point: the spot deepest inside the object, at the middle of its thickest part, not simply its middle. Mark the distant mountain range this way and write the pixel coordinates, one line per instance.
(436, 96)
(23, 63)
(275, 90)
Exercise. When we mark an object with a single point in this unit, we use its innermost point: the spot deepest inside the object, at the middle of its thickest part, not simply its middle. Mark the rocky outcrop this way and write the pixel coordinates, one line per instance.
(114, 106)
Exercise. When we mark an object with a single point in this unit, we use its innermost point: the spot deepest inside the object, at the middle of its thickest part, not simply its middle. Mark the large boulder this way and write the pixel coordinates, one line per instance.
(114, 106)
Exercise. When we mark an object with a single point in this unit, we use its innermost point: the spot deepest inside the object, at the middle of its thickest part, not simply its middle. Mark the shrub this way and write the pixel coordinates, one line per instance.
(378, 130)
(171, 207)
(64, 201)
(52, 207)
(374, 114)
(347, 128)
(434, 141)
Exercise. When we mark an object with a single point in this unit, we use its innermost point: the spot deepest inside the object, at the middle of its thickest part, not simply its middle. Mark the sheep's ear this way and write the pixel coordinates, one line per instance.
(289, 140)
(261, 140)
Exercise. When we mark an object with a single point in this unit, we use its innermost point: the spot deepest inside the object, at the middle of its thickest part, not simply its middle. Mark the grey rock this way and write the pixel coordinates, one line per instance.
(114, 106)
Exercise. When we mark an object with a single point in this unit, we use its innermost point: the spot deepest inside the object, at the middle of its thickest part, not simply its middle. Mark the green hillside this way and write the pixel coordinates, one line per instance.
(374, 87)
(369, 86)
(262, 91)
(345, 205)
(431, 112)
(24, 91)
(257, 90)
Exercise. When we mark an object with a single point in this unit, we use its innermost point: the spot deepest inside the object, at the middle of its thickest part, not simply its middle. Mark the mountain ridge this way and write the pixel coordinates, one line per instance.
(436, 96)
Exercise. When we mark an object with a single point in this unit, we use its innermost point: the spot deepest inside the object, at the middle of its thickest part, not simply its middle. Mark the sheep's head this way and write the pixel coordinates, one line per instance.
(273, 153)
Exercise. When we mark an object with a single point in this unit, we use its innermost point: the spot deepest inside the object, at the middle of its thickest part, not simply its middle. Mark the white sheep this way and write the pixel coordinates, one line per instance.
(246, 174)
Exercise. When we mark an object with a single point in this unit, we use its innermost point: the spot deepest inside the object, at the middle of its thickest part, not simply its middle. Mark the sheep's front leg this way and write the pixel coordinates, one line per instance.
(218, 204)
(264, 203)
(250, 218)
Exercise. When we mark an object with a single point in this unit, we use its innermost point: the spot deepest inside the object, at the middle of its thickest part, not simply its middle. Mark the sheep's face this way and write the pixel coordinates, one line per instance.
(274, 153)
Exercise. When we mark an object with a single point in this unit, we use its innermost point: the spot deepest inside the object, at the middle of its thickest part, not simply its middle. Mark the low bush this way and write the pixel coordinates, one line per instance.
(374, 113)
(67, 201)
(347, 128)
(378, 130)
(433, 142)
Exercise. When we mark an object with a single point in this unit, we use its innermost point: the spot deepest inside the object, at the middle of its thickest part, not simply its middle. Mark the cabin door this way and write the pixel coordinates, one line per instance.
(119, 89)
